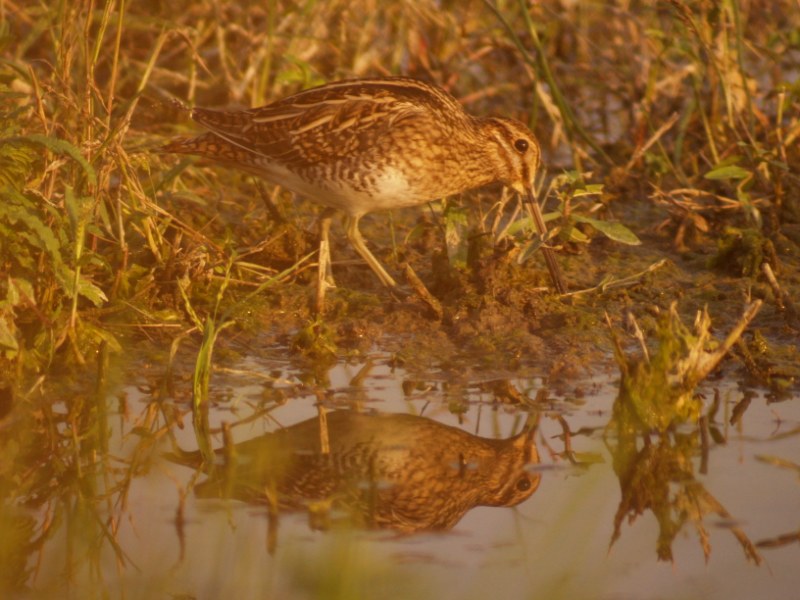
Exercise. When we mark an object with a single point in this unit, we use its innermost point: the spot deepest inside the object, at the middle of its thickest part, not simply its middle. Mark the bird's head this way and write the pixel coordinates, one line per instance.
(516, 154)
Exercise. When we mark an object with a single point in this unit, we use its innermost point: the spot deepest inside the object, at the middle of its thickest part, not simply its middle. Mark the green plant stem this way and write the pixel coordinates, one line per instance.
(573, 126)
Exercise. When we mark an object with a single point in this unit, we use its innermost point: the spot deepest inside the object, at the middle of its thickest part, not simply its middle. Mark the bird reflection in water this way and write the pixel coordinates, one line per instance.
(393, 471)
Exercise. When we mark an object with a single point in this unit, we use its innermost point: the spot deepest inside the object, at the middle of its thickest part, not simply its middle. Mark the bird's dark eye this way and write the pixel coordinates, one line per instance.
(521, 145)
(523, 483)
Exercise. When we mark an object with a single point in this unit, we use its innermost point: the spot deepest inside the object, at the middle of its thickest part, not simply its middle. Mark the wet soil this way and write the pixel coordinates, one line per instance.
(500, 316)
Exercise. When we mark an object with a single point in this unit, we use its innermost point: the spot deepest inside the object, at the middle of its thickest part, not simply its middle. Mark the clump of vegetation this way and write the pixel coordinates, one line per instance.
(97, 232)
(658, 391)
(743, 251)
(660, 478)
(674, 124)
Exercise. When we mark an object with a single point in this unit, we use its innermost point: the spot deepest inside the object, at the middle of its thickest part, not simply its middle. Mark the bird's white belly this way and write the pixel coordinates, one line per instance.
(382, 189)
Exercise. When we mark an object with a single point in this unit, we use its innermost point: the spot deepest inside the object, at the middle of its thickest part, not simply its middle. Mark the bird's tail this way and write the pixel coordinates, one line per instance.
(208, 145)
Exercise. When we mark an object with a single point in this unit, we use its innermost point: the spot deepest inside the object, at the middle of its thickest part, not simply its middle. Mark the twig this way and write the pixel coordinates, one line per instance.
(610, 282)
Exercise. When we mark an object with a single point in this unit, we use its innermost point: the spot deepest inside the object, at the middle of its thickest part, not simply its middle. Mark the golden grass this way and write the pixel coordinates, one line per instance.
(692, 106)
(691, 109)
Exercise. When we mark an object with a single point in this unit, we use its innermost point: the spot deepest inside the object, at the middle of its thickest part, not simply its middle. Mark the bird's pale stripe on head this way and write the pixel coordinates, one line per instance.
(503, 145)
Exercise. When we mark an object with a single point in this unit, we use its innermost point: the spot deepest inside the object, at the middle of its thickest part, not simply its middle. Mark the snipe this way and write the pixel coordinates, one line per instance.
(372, 144)
(394, 471)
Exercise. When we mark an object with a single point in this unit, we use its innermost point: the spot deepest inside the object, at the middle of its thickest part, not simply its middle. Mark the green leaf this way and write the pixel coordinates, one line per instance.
(529, 249)
(67, 280)
(41, 235)
(727, 172)
(536, 242)
(615, 231)
(577, 236)
(19, 288)
(526, 223)
(455, 224)
(7, 339)
(592, 189)
(16, 164)
(90, 291)
(59, 146)
(104, 335)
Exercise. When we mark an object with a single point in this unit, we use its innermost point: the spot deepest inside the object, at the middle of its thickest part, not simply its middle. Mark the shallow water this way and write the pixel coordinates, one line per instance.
(555, 544)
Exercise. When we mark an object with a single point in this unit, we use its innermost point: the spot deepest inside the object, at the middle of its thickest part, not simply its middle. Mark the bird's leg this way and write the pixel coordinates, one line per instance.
(357, 241)
(324, 271)
(325, 268)
(324, 436)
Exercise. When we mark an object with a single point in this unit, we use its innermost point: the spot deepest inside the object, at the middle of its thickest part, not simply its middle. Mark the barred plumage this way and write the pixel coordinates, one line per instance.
(372, 144)
(395, 471)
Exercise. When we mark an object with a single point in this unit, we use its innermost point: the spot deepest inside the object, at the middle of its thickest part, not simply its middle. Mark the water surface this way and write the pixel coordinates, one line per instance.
(140, 529)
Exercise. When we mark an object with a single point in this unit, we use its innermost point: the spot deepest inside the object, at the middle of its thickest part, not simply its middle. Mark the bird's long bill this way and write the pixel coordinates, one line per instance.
(549, 255)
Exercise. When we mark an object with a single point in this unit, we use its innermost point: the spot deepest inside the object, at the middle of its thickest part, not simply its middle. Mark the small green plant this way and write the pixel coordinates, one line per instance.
(47, 260)
(574, 220)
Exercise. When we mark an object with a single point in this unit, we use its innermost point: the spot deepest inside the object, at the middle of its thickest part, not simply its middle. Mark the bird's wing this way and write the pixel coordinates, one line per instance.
(327, 123)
